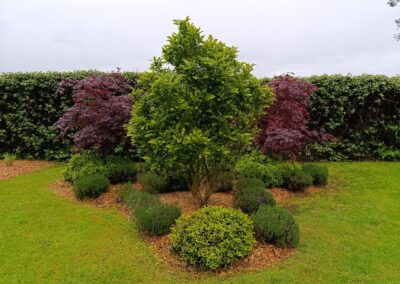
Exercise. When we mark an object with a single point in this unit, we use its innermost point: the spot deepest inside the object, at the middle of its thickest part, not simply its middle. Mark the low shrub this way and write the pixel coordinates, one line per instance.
(250, 199)
(157, 219)
(9, 159)
(85, 163)
(90, 186)
(135, 199)
(276, 226)
(318, 173)
(244, 183)
(175, 183)
(152, 182)
(120, 169)
(268, 173)
(212, 237)
(299, 180)
(226, 182)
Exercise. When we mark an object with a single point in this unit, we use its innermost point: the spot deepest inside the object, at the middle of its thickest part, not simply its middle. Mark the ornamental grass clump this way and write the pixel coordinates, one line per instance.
(212, 237)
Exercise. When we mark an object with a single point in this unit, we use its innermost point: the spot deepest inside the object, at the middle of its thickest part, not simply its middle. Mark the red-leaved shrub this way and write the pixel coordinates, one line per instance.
(100, 111)
(283, 127)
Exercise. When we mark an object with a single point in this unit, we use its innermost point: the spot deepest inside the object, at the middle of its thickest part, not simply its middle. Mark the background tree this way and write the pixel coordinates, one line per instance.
(393, 3)
(101, 109)
(283, 128)
(193, 113)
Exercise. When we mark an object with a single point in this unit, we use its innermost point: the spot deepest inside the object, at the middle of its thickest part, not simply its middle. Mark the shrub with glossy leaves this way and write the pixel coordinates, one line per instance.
(193, 113)
(156, 220)
(318, 173)
(101, 109)
(90, 186)
(283, 128)
(212, 237)
(250, 199)
(275, 226)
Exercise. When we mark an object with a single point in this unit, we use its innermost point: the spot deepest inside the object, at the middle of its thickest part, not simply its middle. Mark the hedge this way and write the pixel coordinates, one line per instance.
(362, 112)
(29, 108)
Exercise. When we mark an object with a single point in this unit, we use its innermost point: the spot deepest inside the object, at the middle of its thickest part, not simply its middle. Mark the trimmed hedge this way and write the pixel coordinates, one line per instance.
(29, 108)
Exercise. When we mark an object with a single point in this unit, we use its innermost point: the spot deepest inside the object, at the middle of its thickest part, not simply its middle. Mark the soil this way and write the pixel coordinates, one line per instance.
(263, 255)
(20, 167)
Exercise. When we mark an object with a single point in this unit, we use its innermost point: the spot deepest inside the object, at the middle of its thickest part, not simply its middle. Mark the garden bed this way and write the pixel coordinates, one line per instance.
(20, 167)
(263, 254)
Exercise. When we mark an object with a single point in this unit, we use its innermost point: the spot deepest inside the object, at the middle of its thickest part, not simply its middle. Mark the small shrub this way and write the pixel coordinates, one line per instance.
(152, 182)
(212, 237)
(276, 226)
(85, 163)
(319, 174)
(120, 169)
(250, 199)
(9, 159)
(157, 219)
(90, 186)
(244, 183)
(268, 173)
(299, 180)
(135, 199)
(226, 182)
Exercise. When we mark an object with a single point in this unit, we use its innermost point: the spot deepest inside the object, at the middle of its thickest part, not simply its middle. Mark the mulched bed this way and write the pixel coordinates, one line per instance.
(263, 255)
(20, 167)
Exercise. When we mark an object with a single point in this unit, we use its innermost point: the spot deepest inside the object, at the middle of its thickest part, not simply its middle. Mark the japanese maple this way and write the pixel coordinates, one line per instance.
(283, 127)
(101, 109)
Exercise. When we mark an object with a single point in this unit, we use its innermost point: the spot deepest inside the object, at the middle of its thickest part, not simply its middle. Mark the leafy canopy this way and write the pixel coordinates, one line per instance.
(195, 106)
(101, 109)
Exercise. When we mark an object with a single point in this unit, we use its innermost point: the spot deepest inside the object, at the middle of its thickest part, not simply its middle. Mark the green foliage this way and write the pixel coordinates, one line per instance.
(388, 153)
(120, 169)
(152, 182)
(212, 237)
(298, 180)
(318, 173)
(175, 183)
(90, 186)
(135, 199)
(193, 112)
(226, 182)
(250, 199)
(359, 111)
(253, 167)
(9, 159)
(276, 226)
(244, 183)
(157, 220)
(30, 107)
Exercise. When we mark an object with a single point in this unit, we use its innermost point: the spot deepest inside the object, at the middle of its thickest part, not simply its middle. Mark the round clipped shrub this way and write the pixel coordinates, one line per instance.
(268, 173)
(250, 199)
(299, 180)
(152, 182)
(319, 174)
(276, 226)
(212, 237)
(226, 182)
(244, 183)
(157, 219)
(90, 186)
(86, 163)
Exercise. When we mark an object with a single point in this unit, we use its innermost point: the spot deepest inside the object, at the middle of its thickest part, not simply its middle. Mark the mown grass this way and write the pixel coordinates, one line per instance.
(350, 233)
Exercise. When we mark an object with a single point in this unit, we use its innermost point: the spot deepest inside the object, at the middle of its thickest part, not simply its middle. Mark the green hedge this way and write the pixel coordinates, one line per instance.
(362, 112)
(29, 108)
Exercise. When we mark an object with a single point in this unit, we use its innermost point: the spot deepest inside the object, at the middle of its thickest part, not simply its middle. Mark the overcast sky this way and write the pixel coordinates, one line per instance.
(301, 36)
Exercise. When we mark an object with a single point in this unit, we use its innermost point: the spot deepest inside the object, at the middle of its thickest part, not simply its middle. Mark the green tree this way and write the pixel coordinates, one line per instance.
(194, 111)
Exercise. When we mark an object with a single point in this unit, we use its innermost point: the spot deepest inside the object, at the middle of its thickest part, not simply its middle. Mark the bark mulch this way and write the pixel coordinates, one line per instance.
(263, 255)
(20, 167)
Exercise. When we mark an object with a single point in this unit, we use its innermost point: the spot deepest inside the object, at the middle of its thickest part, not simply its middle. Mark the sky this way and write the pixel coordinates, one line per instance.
(306, 37)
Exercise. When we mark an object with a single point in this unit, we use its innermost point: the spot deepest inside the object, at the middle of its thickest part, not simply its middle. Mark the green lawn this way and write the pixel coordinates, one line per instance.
(349, 233)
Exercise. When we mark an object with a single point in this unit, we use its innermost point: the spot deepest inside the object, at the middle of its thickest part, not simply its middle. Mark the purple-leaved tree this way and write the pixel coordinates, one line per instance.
(101, 109)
